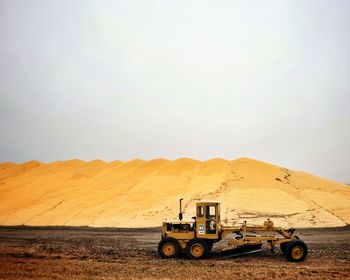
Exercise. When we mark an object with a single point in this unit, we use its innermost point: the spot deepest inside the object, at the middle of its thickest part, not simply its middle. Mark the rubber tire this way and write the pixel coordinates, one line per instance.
(172, 241)
(289, 247)
(197, 241)
(284, 245)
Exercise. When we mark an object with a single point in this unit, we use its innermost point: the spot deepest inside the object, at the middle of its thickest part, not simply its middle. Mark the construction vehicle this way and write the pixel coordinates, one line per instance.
(195, 237)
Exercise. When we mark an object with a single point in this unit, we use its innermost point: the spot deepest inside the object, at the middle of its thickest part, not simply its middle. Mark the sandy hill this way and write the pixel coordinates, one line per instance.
(141, 193)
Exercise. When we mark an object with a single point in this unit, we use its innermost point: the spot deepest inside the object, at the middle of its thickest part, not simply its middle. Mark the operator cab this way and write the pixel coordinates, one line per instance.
(204, 225)
(207, 219)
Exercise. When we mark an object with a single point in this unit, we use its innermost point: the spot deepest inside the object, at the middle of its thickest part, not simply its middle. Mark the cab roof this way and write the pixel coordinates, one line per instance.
(208, 201)
(179, 222)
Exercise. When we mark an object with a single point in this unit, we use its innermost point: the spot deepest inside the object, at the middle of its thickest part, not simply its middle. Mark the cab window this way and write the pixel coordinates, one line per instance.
(200, 211)
(210, 212)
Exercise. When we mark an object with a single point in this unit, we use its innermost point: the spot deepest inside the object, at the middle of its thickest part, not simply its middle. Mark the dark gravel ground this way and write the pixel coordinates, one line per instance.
(107, 253)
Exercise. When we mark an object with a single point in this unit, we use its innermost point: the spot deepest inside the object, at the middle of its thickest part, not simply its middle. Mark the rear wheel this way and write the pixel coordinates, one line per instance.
(197, 249)
(168, 248)
(295, 251)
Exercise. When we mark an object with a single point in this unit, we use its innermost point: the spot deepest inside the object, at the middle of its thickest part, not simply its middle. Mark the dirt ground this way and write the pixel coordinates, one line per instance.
(88, 253)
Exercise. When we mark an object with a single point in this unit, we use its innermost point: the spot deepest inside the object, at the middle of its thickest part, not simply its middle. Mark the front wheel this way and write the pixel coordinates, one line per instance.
(168, 248)
(296, 250)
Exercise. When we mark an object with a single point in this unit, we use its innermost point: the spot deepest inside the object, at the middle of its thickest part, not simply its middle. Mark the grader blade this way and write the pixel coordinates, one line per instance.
(240, 251)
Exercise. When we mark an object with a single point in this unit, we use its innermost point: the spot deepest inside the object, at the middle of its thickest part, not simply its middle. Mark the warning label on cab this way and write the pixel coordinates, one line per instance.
(200, 229)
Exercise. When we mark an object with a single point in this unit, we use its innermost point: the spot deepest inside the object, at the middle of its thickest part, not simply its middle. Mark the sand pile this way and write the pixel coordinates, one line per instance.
(141, 193)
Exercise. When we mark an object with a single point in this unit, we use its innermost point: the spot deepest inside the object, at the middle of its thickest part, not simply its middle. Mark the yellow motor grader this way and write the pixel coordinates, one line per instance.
(196, 237)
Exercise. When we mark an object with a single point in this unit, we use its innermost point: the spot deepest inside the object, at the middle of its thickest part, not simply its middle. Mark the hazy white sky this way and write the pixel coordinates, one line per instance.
(202, 79)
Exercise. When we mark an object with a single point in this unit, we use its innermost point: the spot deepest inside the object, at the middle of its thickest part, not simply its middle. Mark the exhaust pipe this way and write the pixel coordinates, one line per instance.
(180, 213)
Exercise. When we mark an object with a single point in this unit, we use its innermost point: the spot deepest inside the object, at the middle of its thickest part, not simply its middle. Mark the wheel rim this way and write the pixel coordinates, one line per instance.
(197, 250)
(297, 252)
(168, 249)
